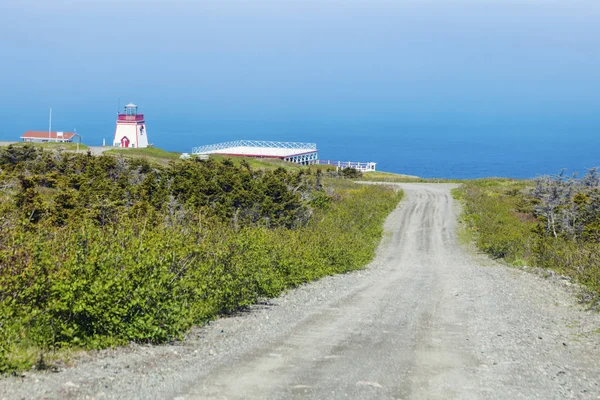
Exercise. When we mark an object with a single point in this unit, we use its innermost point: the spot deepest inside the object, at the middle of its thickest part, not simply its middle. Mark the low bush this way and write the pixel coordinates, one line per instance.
(109, 251)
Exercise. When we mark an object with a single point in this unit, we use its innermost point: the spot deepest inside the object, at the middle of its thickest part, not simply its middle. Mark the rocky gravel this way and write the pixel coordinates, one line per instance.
(426, 319)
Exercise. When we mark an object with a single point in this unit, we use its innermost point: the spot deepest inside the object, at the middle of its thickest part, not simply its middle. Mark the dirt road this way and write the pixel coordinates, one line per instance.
(426, 320)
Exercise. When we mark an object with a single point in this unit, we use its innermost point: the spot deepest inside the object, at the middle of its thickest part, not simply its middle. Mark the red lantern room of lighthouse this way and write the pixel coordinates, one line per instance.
(131, 129)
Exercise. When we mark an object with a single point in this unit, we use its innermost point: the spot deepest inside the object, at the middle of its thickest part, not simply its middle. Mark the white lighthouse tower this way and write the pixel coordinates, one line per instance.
(131, 129)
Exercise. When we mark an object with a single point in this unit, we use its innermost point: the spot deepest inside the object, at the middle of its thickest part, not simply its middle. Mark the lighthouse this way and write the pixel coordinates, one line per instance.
(131, 129)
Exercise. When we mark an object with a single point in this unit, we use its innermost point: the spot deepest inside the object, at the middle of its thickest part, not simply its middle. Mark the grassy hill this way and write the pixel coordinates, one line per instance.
(150, 153)
(163, 157)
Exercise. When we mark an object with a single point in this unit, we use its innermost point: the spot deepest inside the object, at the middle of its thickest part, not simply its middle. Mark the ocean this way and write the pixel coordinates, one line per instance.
(452, 150)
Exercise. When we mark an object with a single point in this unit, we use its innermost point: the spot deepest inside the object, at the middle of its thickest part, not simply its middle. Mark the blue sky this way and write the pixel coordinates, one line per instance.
(419, 62)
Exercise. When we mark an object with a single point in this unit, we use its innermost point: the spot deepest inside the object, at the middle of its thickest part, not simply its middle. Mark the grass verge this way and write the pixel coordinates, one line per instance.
(499, 216)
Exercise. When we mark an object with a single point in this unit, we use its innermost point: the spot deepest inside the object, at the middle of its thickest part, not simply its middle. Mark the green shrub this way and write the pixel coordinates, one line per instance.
(119, 251)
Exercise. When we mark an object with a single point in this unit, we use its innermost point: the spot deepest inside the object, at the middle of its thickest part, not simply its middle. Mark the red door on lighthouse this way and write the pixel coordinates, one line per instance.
(124, 141)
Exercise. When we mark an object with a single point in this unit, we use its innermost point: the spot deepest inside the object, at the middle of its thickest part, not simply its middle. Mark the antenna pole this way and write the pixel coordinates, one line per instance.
(50, 125)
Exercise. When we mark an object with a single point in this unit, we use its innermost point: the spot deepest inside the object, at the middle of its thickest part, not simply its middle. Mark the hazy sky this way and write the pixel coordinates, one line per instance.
(464, 61)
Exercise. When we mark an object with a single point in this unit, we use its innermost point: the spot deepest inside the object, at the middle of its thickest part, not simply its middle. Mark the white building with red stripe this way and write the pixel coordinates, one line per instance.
(299, 153)
(131, 129)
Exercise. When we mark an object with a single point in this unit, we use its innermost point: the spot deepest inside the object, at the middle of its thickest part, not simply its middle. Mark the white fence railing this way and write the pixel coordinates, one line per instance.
(360, 166)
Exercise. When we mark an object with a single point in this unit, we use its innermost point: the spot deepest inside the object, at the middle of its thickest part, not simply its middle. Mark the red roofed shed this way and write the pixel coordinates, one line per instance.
(41, 136)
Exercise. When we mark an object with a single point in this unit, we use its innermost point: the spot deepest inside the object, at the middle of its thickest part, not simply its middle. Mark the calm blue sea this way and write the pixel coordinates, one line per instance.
(451, 151)
(448, 151)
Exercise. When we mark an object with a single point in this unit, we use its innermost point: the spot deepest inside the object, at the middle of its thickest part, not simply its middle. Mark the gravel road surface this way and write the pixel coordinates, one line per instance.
(97, 150)
(426, 320)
